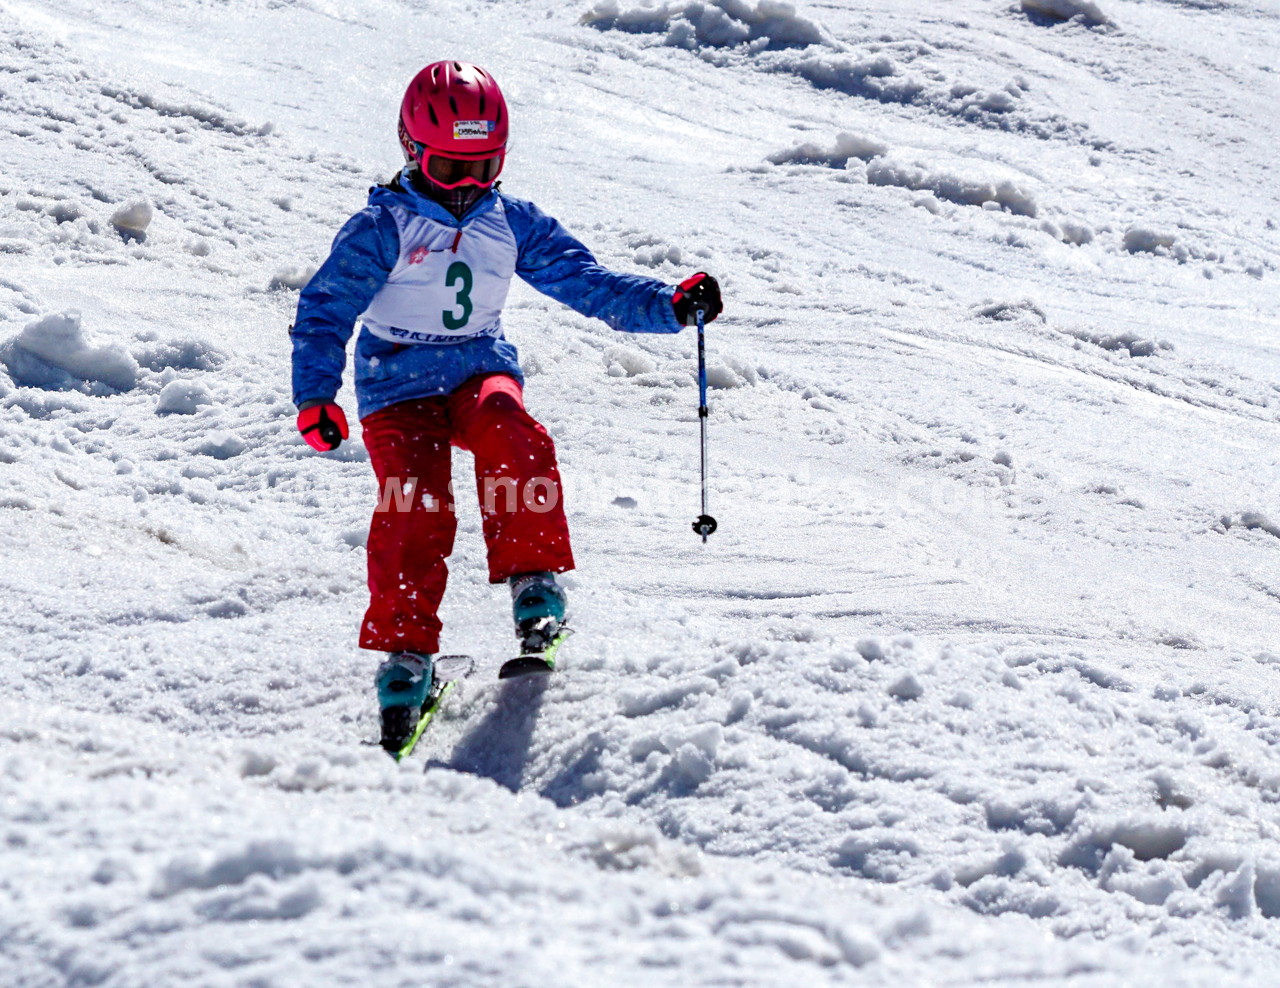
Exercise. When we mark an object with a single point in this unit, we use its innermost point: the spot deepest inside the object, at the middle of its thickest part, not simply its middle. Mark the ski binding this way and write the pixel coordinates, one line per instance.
(403, 727)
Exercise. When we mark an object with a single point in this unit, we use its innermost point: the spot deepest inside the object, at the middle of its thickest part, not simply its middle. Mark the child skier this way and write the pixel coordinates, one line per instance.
(426, 267)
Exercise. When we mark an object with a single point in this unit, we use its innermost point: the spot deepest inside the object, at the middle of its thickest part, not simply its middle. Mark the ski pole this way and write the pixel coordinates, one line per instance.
(705, 524)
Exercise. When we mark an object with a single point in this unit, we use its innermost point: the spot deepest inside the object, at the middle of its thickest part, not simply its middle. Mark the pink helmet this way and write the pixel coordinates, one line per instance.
(453, 123)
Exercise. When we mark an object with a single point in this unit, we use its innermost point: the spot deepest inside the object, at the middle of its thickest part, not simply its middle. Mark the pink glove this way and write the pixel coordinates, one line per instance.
(699, 291)
(322, 424)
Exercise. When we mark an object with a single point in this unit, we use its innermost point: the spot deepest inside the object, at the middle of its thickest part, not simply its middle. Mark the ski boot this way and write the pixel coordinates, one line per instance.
(538, 607)
(404, 682)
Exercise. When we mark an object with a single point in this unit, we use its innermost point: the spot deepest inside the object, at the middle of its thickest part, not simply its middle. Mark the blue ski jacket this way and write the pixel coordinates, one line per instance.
(429, 288)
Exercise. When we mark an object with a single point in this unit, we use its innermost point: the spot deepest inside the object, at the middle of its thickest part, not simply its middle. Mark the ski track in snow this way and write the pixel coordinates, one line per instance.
(978, 680)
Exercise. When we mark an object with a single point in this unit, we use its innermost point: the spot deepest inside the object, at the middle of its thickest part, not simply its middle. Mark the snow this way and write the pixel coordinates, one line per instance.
(847, 146)
(1086, 11)
(293, 277)
(951, 187)
(182, 398)
(132, 219)
(718, 23)
(976, 682)
(52, 354)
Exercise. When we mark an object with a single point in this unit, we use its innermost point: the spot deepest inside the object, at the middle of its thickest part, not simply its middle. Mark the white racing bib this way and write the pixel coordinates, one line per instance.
(448, 284)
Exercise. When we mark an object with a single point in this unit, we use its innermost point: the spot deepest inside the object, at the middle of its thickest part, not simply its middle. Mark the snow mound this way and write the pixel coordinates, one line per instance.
(767, 24)
(1163, 243)
(731, 372)
(1009, 310)
(953, 187)
(877, 77)
(277, 859)
(221, 445)
(52, 353)
(1252, 521)
(909, 75)
(655, 255)
(292, 277)
(1147, 240)
(1135, 344)
(883, 170)
(771, 37)
(1086, 11)
(64, 211)
(191, 354)
(1179, 242)
(132, 219)
(1069, 232)
(847, 146)
(629, 848)
(182, 398)
(1147, 838)
(202, 116)
(627, 361)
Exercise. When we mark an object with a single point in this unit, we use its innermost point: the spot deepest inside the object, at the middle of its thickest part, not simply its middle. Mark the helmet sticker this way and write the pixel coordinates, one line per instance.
(469, 130)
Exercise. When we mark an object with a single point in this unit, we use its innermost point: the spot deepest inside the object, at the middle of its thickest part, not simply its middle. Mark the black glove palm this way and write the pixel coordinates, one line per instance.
(701, 291)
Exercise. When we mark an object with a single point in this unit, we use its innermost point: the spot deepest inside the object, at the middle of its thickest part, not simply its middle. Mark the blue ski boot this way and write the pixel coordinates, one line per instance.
(538, 607)
(404, 683)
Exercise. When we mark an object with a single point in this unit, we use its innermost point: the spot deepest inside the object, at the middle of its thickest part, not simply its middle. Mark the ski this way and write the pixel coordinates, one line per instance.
(538, 663)
(400, 731)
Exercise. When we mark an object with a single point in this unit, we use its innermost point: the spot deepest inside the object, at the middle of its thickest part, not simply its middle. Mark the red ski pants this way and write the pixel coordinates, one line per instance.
(517, 481)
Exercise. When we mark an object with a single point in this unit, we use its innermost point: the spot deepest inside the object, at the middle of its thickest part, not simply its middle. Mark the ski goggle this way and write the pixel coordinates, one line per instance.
(450, 173)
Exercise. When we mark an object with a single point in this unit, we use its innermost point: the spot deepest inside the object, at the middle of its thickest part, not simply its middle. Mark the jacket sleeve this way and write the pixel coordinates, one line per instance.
(363, 254)
(558, 264)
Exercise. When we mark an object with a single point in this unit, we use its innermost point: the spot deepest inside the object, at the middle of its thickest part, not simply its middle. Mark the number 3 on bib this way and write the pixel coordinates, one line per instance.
(458, 272)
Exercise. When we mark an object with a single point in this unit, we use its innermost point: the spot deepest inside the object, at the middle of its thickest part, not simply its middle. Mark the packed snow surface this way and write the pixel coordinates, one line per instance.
(978, 682)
